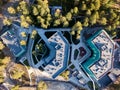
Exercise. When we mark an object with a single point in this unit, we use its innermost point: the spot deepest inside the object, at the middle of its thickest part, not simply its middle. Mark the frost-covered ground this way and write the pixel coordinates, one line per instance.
(60, 86)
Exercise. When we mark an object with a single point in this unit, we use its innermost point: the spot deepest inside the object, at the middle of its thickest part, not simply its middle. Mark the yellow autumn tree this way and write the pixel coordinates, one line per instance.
(42, 86)
(1, 46)
(23, 42)
(11, 10)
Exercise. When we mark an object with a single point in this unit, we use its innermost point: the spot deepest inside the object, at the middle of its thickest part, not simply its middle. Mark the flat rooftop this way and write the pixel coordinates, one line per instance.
(12, 42)
(60, 62)
(101, 60)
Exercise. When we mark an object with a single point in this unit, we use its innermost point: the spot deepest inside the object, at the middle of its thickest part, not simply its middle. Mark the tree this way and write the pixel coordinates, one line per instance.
(93, 19)
(35, 11)
(66, 24)
(11, 10)
(24, 24)
(5, 60)
(97, 4)
(23, 42)
(34, 33)
(99, 13)
(57, 13)
(2, 54)
(90, 84)
(78, 36)
(1, 77)
(42, 86)
(88, 12)
(7, 21)
(75, 10)
(103, 21)
(57, 22)
(1, 46)
(69, 16)
(15, 87)
(76, 29)
(65, 75)
(83, 6)
(86, 22)
(23, 8)
(23, 34)
(29, 19)
(3, 63)
(16, 74)
(72, 32)
(40, 47)
(1, 2)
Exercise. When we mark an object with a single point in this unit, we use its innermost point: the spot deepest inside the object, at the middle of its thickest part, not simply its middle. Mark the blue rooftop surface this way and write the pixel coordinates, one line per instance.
(95, 57)
(13, 43)
(93, 65)
(61, 57)
(105, 81)
(66, 55)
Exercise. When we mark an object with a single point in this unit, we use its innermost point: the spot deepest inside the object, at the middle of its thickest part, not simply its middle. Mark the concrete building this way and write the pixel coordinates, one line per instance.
(101, 60)
(93, 58)
(58, 54)
(10, 39)
(60, 61)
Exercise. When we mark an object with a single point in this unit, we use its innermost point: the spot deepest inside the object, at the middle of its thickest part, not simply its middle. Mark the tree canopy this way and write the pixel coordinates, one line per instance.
(1, 46)
(15, 88)
(99, 13)
(3, 63)
(42, 86)
(65, 75)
